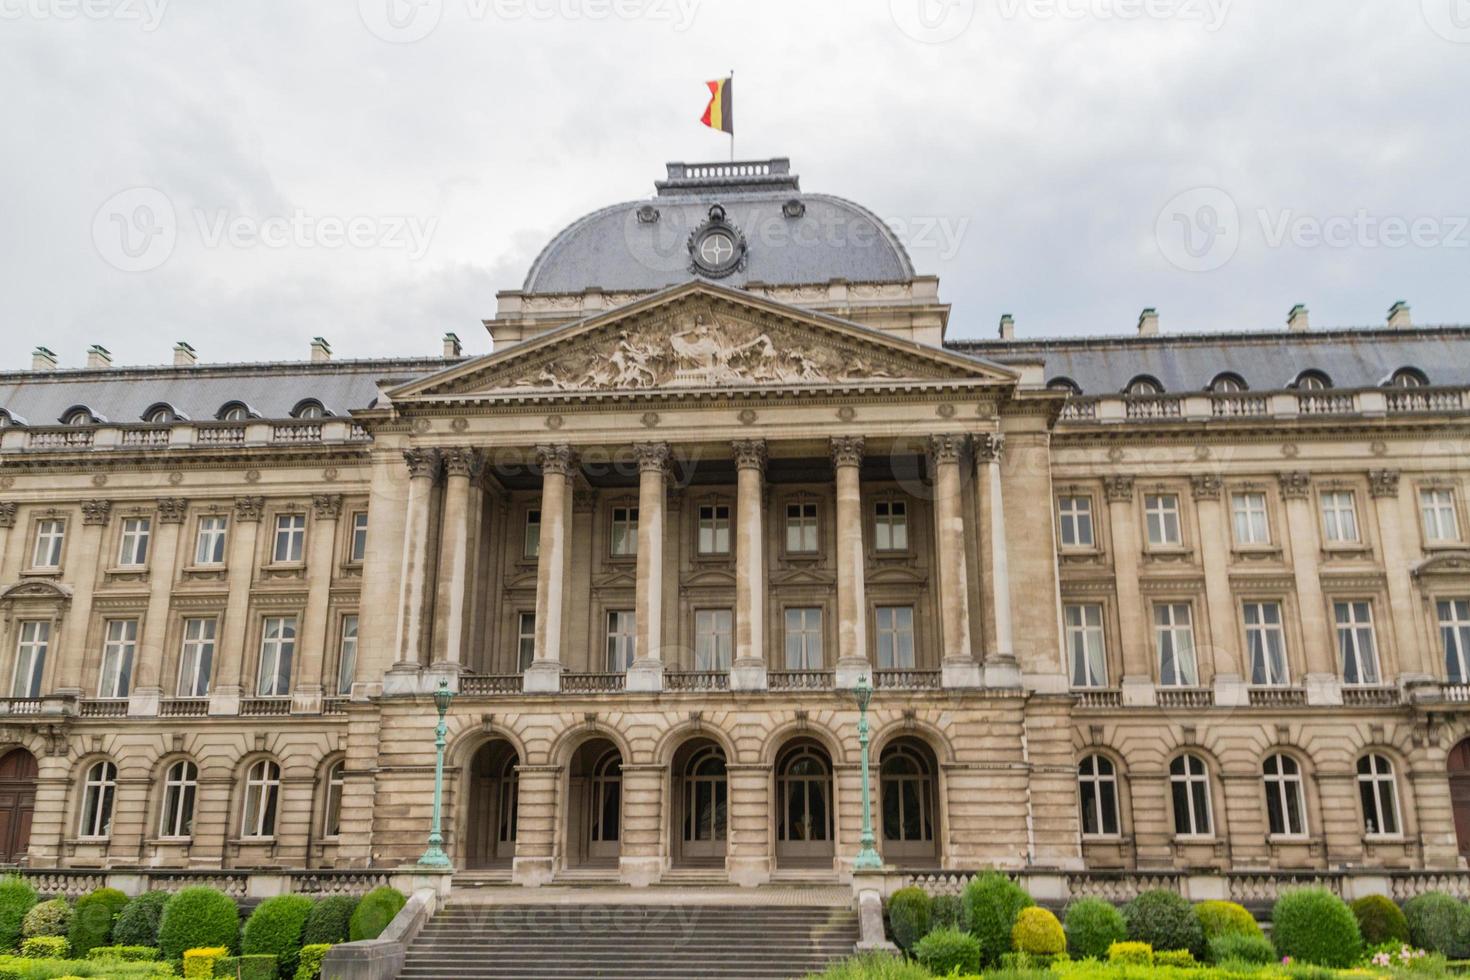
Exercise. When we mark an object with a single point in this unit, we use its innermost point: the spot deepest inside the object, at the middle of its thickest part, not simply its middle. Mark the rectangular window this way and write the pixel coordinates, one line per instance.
(891, 525)
(133, 549)
(1249, 513)
(895, 637)
(277, 650)
(1161, 517)
(1339, 517)
(50, 535)
(1437, 509)
(209, 549)
(625, 531)
(357, 549)
(120, 645)
(1454, 632)
(1075, 521)
(1266, 642)
(714, 529)
(347, 656)
(531, 547)
(290, 545)
(30, 659)
(804, 639)
(622, 640)
(801, 528)
(1085, 652)
(714, 639)
(1356, 645)
(1174, 637)
(197, 657)
(525, 639)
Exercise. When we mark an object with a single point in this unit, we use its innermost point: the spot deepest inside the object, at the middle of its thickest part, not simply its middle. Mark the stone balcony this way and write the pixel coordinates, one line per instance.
(1274, 406)
(133, 437)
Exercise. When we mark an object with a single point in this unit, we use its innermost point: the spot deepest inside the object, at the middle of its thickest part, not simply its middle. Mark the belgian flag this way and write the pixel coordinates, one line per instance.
(720, 113)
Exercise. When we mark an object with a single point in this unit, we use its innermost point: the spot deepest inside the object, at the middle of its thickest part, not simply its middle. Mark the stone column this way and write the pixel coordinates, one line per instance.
(7, 524)
(537, 792)
(1324, 685)
(557, 465)
(1138, 673)
(1413, 663)
(72, 643)
(413, 582)
(748, 857)
(147, 690)
(748, 671)
(1001, 669)
(228, 681)
(960, 667)
(315, 629)
(1231, 672)
(640, 852)
(451, 597)
(647, 671)
(852, 606)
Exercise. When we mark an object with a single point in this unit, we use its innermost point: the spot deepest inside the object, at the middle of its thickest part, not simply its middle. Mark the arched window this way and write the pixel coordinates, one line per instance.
(262, 793)
(1227, 383)
(1378, 792)
(309, 408)
(804, 795)
(332, 807)
(1408, 377)
(906, 787)
(1066, 385)
(1312, 380)
(1286, 809)
(5, 419)
(180, 786)
(160, 414)
(705, 803)
(1097, 789)
(1144, 385)
(99, 788)
(1189, 781)
(607, 794)
(233, 412)
(78, 415)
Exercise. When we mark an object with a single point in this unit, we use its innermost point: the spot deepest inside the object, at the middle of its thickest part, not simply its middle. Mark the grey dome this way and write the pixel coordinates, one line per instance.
(789, 237)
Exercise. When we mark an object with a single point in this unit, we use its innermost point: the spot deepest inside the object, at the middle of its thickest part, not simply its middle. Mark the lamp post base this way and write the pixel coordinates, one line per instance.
(435, 857)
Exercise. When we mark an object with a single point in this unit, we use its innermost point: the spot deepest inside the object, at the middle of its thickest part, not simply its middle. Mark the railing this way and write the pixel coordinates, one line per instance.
(1277, 697)
(297, 432)
(1147, 407)
(1186, 697)
(20, 706)
(799, 680)
(264, 707)
(72, 884)
(102, 707)
(910, 679)
(1079, 410)
(696, 680)
(220, 435)
(357, 432)
(1425, 400)
(1325, 403)
(1122, 886)
(1456, 693)
(145, 438)
(60, 438)
(1370, 697)
(490, 684)
(334, 706)
(592, 683)
(1099, 698)
(1239, 406)
(184, 708)
(706, 170)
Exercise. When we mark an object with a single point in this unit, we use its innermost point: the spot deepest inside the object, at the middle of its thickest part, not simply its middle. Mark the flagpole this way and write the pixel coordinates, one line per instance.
(732, 122)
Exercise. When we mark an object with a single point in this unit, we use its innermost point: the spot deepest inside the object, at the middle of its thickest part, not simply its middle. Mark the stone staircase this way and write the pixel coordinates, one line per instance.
(670, 941)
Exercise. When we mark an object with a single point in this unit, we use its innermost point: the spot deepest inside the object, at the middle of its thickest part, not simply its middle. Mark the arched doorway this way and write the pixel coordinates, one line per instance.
(1459, 773)
(701, 796)
(17, 803)
(595, 805)
(490, 837)
(804, 806)
(906, 798)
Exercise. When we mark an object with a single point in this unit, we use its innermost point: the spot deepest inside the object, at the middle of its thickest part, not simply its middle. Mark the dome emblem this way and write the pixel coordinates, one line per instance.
(717, 247)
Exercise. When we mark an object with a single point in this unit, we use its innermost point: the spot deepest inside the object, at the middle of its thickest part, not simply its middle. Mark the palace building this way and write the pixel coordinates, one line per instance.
(1154, 602)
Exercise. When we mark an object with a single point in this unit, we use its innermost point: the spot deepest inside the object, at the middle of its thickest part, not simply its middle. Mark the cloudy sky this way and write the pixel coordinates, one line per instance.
(245, 176)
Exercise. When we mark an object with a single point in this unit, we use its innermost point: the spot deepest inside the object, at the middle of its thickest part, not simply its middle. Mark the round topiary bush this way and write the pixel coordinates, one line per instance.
(1038, 933)
(992, 902)
(1380, 920)
(1240, 947)
(944, 951)
(198, 917)
(1092, 925)
(374, 912)
(92, 922)
(1438, 923)
(16, 898)
(1219, 918)
(909, 914)
(329, 921)
(1312, 925)
(49, 918)
(1164, 921)
(138, 923)
(275, 928)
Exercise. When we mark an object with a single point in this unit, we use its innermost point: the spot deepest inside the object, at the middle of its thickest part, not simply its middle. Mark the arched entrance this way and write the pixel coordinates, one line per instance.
(804, 806)
(906, 798)
(1458, 765)
(701, 796)
(17, 803)
(490, 836)
(595, 805)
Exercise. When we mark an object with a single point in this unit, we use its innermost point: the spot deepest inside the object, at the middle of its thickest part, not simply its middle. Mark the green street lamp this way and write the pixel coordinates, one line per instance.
(867, 857)
(435, 857)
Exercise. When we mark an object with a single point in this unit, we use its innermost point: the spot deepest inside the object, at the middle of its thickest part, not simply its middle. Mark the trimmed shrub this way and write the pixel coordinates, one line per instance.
(124, 954)
(45, 948)
(1239, 947)
(1312, 925)
(944, 951)
(1438, 923)
(49, 918)
(992, 902)
(92, 921)
(1219, 918)
(374, 912)
(328, 921)
(870, 966)
(1181, 958)
(947, 912)
(1131, 954)
(274, 929)
(312, 955)
(253, 966)
(138, 924)
(909, 914)
(199, 963)
(1164, 921)
(16, 898)
(1038, 933)
(1092, 925)
(198, 917)
(1380, 920)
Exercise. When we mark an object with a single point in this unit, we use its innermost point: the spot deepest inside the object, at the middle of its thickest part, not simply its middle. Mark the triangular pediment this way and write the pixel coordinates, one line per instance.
(700, 336)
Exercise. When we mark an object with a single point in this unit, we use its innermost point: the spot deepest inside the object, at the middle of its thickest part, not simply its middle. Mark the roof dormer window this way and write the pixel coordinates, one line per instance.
(1408, 377)
(161, 414)
(1228, 383)
(1312, 380)
(78, 415)
(309, 409)
(234, 412)
(1066, 385)
(1144, 385)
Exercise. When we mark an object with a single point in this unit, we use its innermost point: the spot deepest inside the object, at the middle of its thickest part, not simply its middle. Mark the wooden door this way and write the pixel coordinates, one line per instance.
(17, 803)
(1459, 774)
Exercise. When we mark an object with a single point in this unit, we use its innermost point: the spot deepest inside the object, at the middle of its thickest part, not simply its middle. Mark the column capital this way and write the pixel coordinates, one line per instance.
(7, 513)
(947, 447)
(1206, 486)
(653, 457)
(989, 446)
(1383, 483)
(327, 506)
(1295, 484)
(750, 454)
(249, 508)
(171, 510)
(96, 511)
(422, 463)
(1118, 489)
(464, 461)
(557, 458)
(847, 451)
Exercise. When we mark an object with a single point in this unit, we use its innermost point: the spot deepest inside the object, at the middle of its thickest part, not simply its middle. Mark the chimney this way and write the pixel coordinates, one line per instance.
(1398, 316)
(98, 357)
(184, 355)
(1296, 320)
(1007, 327)
(452, 347)
(1148, 323)
(320, 349)
(43, 360)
